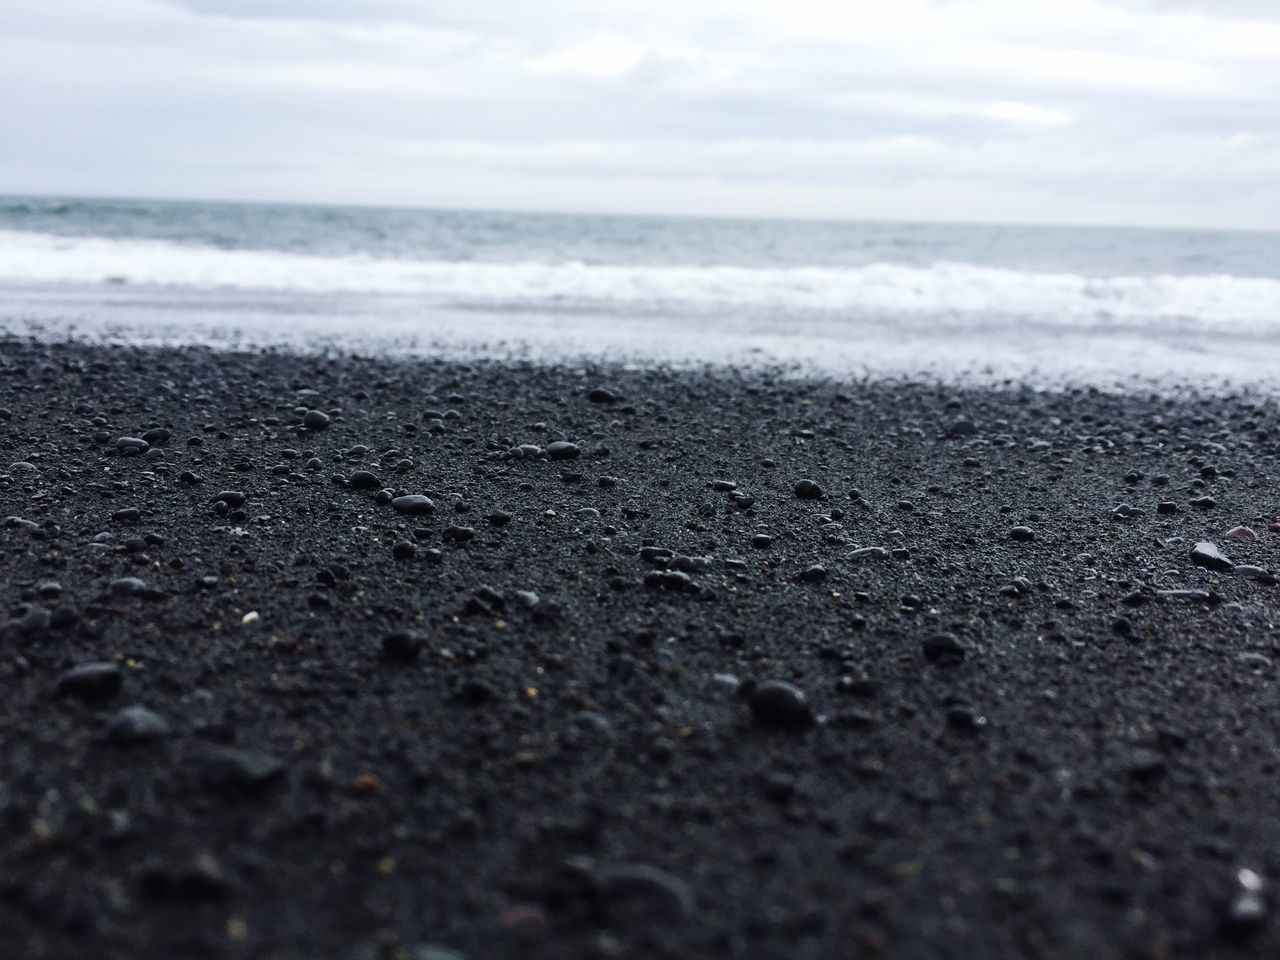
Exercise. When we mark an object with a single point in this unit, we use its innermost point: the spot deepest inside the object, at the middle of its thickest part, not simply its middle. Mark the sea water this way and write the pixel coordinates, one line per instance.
(1039, 303)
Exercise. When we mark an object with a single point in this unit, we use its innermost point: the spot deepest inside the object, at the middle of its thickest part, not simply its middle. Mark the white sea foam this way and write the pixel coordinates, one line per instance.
(949, 319)
(945, 288)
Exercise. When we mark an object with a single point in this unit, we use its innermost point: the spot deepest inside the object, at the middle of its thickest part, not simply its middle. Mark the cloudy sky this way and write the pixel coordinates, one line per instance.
(1097, 111)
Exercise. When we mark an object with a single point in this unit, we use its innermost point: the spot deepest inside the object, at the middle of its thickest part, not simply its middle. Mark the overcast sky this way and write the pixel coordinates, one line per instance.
(1096, 111)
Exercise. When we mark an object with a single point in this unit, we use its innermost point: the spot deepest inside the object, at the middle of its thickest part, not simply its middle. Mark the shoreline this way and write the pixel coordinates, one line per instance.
(536, 719)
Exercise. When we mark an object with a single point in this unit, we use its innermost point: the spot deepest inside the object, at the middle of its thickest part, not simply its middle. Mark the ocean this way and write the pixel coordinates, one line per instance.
(851, 299)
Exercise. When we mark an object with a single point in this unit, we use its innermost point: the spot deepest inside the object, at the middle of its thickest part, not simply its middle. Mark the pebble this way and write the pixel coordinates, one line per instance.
(132, 446)
(223, 767)
(635, 891)
(459, 534)
(315, 420)
(1022, 534)
(808, 490)
(1205, 554)
(404, 550)
(1261, 574)
(126, 586)
(563, 450)
(136, 724)
(603, 395)
(944, 649)
(869, 553)
(776, 703)
(415, 504)
(363, 480)
(815, 573)
(1241, 533)
(1248, 908)
(1166, 507)
(232, 498)
(92, 682)
(402, 645)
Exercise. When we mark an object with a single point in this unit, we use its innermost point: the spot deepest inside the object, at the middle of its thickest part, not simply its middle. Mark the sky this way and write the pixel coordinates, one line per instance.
(1143, 112)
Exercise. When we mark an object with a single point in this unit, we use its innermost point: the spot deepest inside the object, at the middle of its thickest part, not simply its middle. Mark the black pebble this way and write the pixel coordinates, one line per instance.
(92, 682)
(808, 490)
(944, 649)
(776, 703)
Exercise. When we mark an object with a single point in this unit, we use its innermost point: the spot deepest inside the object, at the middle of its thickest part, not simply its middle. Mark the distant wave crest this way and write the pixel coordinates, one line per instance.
(945, 288)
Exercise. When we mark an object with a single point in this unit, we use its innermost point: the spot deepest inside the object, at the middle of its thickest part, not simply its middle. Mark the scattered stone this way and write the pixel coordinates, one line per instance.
(1205, 554)
(776, 703)
(1241, 533)
(415, 504)
(1261, 574)
(132, 446)
(808, 490)
(944, 649)
(1247, 911)
(222, 767)
(136, 724)
(315, 420)
(363, 480)
(1022, 534)
(194, 880)
(633, 893)
(815, 573)
(563, 450)
(92, 682)
(402, 645)
(601, 395)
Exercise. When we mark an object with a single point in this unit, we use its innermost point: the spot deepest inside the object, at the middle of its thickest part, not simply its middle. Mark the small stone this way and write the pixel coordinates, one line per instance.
(459, 534)
(196, 880)
(136, 724)
(232, 498)
(1248, 908)
(1241, 533)
(1204, 503)
(563, 450)
(230, 767)
(602, 395)
(126, 587)
(403, 646)
(1022, 534)
(813, 574)
(157, 436)
(776, 703)
(1205, 554)
(415, 504)
(127, 515)
(315, 420)
(1166, 507)
(363, 480)
(92, 682)
(808, 490)
(761, 541)
(944, 649)
(961, 428)
(404, 550)
(634, 892)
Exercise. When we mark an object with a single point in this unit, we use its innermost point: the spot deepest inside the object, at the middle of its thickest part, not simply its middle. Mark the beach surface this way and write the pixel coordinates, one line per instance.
(353, 658)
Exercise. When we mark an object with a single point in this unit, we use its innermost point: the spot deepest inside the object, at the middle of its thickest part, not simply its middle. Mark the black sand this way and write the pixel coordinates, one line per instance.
(1081, 770)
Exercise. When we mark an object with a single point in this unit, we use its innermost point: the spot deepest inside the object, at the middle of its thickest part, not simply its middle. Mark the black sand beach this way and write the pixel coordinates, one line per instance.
(543, 717)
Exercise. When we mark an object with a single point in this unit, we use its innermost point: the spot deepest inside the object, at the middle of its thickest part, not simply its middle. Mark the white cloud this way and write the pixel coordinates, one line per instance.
(1123, 110)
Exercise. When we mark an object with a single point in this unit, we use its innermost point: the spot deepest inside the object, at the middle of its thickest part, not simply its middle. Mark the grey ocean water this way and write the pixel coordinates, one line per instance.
(1048, 304)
